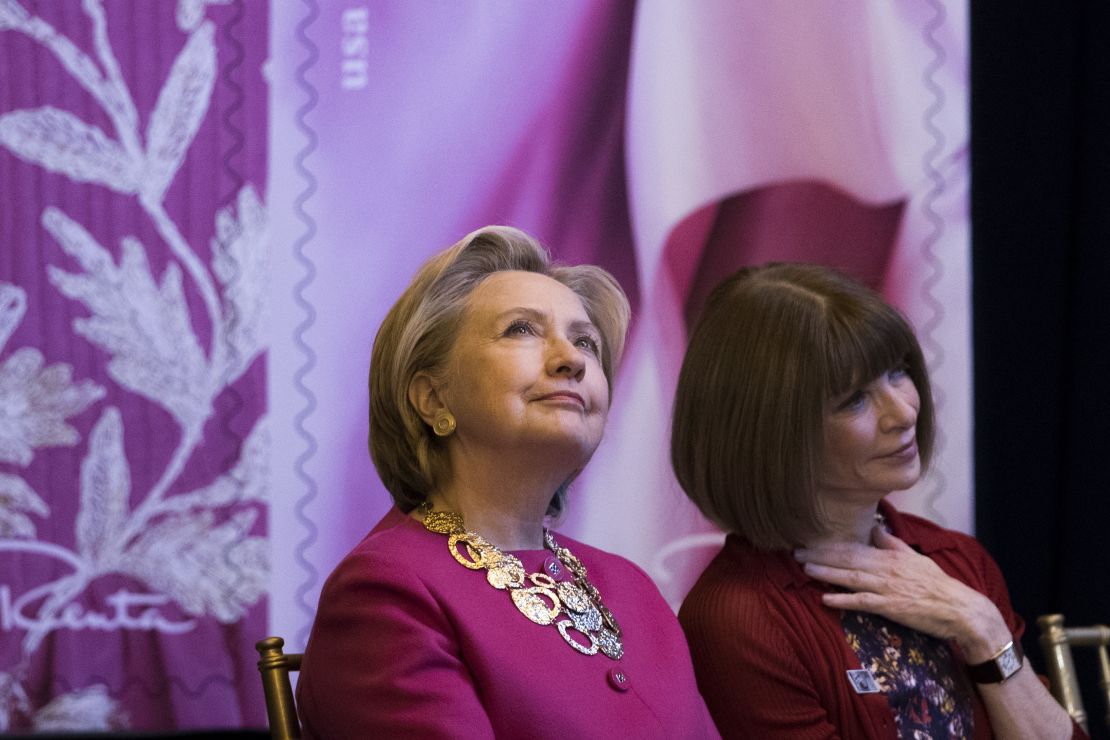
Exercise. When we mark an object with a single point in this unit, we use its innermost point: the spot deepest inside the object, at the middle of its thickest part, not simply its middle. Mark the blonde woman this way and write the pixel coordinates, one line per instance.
(461, 614)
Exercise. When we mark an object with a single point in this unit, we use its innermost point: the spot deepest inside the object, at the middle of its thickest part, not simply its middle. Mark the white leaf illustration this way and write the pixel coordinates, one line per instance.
(105, 488)
(253, 468)
(90, 708)
(13, 304)
(222, 492)
(60, 142)
(13, 699)
(145, 326)
(208, 569)
(177, 115)
(12, 15)
(35, 403)
(16, 496)
(247, 481)
(241, 261)
(191, 12)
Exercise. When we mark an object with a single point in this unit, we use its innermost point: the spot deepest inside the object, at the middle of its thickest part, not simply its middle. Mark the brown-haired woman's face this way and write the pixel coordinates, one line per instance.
(526, 369)
(870, 438)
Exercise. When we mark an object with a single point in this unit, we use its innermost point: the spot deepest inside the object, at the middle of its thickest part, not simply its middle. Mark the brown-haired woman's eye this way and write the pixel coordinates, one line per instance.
(853, 401)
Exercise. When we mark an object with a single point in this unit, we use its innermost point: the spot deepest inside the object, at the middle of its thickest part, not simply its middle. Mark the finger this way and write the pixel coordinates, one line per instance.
(862, 601)
(849, 556)
(839, 554)
(855, 580)
(884, 540)
(913, 614)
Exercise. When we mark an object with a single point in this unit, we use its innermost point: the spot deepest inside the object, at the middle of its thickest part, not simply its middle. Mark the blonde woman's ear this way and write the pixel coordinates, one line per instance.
(425, 397)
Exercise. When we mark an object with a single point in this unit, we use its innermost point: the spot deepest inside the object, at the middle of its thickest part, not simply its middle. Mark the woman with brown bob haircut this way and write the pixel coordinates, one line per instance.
(802, 402)
(461, 614)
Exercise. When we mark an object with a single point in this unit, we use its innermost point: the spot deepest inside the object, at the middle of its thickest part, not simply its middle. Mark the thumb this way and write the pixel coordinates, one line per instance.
(884, 540)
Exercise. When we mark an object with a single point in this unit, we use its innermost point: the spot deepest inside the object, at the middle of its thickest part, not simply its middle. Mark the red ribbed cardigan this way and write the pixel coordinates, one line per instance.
(770, 658)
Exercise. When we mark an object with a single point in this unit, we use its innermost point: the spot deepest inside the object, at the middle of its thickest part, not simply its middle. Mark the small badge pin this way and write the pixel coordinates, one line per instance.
(863, 682)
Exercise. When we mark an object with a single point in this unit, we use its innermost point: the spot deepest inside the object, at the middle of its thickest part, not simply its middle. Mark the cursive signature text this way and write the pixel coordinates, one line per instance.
(125, 611)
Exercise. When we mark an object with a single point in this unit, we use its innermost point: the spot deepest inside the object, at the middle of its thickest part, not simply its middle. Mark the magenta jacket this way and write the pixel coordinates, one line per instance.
(407, 643)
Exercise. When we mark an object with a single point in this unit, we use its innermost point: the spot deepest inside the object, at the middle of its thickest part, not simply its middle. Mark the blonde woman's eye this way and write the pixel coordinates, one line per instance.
(587, 343)
(520, 328)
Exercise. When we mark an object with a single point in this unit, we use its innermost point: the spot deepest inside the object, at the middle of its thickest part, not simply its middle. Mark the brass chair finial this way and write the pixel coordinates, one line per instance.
(1056, 644)
(275, 665)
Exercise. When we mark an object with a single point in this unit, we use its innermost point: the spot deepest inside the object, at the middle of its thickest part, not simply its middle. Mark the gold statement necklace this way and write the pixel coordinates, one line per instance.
(578, 603)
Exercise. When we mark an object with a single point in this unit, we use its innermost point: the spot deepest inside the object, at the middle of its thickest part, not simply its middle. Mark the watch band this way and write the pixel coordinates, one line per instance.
(1003, 664)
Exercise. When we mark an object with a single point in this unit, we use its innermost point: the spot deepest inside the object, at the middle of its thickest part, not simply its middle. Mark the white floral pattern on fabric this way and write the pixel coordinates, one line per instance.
(90, 708)
(194, 547)
(16, 497)
(35, 399)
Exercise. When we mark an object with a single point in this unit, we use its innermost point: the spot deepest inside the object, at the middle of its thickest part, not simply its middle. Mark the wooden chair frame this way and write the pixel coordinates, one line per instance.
(1056, 643)
(275, 665)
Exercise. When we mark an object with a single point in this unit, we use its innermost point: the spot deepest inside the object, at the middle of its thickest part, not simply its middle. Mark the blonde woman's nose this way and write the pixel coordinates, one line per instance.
(564, 358)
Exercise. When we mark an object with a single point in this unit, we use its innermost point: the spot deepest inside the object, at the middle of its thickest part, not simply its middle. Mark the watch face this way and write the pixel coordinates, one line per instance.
(1008, 663)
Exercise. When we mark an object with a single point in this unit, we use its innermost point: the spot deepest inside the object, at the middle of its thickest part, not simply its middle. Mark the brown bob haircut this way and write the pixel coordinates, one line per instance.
(773, 346)
(419, 331)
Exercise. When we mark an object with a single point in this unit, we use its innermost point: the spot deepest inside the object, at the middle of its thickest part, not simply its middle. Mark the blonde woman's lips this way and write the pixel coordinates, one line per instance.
(567, 397)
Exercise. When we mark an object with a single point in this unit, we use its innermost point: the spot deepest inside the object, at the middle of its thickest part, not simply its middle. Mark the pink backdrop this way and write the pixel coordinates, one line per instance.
(210, 206)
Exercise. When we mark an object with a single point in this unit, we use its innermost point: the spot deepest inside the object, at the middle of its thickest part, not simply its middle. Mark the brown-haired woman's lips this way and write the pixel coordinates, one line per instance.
(906, 451)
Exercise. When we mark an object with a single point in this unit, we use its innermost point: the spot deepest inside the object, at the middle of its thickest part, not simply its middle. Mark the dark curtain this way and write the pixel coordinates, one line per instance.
(1040, 206)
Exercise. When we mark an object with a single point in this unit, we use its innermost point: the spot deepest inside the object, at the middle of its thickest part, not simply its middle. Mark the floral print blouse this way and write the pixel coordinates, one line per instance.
(928, 694)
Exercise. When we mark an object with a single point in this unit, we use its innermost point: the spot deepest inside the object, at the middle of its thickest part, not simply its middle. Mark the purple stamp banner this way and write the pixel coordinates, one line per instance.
(668, 142)
(211, 204)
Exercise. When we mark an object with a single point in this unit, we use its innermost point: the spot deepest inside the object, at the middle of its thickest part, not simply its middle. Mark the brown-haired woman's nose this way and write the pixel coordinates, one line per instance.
(898, 408)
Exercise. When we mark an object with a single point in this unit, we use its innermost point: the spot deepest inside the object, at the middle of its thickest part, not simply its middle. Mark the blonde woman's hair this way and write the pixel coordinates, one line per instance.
(419, 331)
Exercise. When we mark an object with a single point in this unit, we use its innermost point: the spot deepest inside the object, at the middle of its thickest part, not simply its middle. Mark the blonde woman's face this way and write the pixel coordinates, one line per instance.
(525, 371)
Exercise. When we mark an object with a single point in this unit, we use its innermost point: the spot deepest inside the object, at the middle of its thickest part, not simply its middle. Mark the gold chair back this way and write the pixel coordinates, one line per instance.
(274, 665)
(1056, 644)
